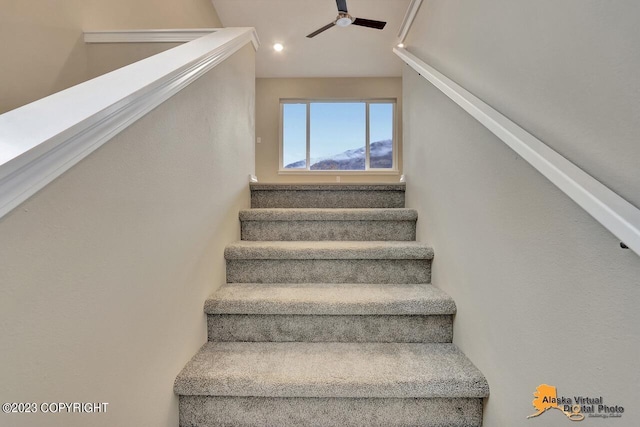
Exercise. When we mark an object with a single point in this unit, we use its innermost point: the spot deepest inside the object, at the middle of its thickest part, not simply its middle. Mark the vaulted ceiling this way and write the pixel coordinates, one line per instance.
(351, 51)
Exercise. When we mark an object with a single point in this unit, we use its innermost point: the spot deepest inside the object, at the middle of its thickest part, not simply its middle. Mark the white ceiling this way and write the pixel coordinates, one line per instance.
(352, 51)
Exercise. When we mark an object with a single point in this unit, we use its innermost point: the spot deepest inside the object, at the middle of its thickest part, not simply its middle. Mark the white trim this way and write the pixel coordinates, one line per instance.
(280, 137)
(307, 160)
(407, 22)
(40, 141)
(367, 142)
(147, 36)
(616, 214)
(339, 172)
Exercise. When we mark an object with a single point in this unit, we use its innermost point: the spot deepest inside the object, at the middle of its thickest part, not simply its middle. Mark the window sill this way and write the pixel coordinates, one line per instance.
(338, 172)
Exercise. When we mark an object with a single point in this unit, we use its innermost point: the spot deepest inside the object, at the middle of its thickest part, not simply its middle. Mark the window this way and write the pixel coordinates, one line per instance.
(330, 136)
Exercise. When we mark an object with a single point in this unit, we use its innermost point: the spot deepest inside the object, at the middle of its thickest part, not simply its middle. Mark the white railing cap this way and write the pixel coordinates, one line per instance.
(41, 140)
(616, 214)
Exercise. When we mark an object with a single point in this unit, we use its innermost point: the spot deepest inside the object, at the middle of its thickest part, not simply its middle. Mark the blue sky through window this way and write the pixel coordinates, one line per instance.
(335, 127)
(294, 133)
(380, 122)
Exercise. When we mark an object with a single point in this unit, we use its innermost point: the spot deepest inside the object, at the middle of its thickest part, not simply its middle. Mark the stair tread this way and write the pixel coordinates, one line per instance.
(328, 214)
(327, 249)
(300, 369)
(330, 299)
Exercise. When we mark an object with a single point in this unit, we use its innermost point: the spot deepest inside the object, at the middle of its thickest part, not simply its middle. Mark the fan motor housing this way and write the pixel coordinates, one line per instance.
(344, 20)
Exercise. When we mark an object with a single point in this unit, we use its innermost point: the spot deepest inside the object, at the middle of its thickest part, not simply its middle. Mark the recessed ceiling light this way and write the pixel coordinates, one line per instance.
(400, 45)
(278, 47)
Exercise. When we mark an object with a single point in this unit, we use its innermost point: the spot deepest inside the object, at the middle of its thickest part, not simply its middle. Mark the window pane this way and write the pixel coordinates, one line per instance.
(381, 136)
(294, 136)
(338, 135)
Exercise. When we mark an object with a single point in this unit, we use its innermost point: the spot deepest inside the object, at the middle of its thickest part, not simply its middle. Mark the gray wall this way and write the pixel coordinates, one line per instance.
(47, 52)
(104, 272)
(544, 293)
(103, 58)
(565, 71)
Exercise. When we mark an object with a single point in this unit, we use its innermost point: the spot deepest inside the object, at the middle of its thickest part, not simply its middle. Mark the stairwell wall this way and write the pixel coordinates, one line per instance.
(544, 293)
(103, 273)
(43, 49)
(103, 58)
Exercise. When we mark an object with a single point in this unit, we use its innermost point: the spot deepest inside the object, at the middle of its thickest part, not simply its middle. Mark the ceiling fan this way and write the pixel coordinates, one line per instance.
(344, 20)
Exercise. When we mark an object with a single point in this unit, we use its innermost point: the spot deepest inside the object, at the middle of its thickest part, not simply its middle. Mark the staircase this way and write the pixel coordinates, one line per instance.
(328, 319)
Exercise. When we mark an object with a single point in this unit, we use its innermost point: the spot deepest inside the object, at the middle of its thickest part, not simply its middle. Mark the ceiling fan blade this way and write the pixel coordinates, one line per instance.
(325, 28)
(342, 5)
(378, 25)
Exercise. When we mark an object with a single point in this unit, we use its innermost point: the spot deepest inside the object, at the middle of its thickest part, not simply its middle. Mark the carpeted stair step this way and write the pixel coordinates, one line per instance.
(328, 319)
(328, 262)
(330, 384)
(218, 411)
(334, 195)
(330, 312)
(328, 224)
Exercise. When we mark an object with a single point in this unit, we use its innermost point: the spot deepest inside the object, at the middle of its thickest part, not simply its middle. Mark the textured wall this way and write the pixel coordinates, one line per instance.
(565, 71)
(104, 272)
(544, 292)
(105, 57)
(268, 94)
(44, 51)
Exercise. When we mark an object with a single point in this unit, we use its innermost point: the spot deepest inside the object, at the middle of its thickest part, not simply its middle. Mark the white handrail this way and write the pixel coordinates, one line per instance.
(41, 140)
(616, 214)
(409, 17)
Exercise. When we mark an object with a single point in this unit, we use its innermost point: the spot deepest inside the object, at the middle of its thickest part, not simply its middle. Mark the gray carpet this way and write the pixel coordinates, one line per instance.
(328, 318)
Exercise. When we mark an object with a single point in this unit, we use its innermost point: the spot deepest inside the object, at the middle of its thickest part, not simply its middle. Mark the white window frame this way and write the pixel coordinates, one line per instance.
(368, 170)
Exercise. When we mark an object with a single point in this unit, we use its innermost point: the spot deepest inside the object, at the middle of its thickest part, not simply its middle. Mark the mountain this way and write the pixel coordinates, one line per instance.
(381, 156)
